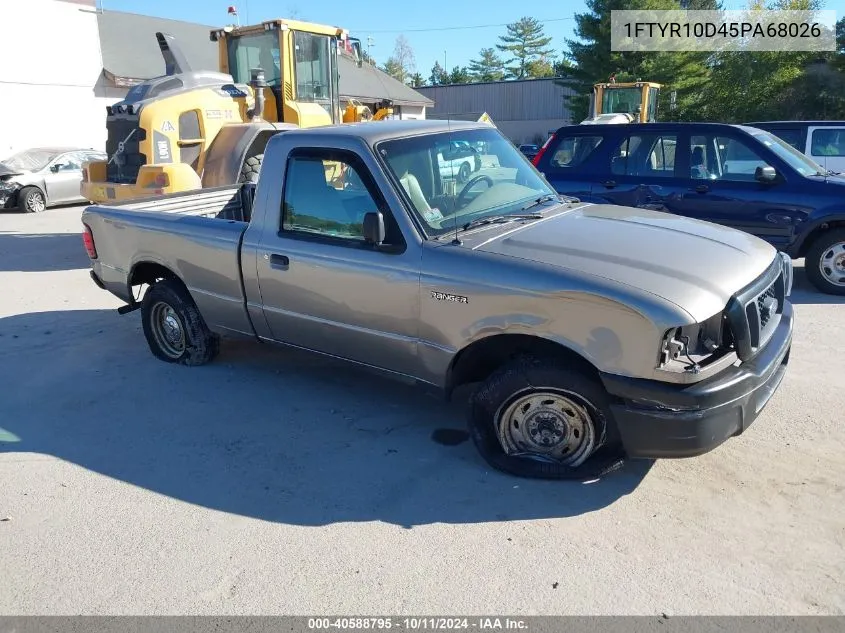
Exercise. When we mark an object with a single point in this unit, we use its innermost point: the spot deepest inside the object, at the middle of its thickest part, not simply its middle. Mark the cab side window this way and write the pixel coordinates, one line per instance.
(326, 195)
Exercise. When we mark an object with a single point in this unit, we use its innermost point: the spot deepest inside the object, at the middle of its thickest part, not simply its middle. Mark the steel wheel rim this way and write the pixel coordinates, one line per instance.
(548, 425)
(167, 330)
(35, 203)
(832, 264)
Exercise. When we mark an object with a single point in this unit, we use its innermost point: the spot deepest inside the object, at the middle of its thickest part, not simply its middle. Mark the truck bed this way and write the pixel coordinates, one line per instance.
(232, 203)
(194, 235)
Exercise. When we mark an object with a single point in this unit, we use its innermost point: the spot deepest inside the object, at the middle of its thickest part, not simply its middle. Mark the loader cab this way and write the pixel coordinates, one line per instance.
(639, 99)
(300, 64)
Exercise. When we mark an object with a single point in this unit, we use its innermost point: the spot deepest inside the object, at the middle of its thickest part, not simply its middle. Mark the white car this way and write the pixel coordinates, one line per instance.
(458, 160)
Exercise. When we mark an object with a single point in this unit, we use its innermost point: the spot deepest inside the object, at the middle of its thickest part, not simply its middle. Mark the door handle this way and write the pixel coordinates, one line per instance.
(279, 261)
(610, 184)
(702, 188)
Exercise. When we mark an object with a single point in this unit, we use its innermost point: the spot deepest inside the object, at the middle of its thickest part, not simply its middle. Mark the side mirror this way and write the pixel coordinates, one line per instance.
(55, 168)
(374, 227)
(765, 174)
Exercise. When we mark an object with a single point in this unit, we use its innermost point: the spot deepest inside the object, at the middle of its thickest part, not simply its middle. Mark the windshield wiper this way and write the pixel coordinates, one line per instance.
(549, 197)
(499, 219)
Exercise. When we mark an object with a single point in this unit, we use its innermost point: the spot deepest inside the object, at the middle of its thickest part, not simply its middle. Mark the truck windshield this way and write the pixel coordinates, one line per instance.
(253, 51)
(453, 178)
(624, 100)
(313, 67)
(795, 159)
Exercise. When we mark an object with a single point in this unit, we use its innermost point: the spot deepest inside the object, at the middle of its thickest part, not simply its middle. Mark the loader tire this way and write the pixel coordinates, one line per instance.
(251, 168)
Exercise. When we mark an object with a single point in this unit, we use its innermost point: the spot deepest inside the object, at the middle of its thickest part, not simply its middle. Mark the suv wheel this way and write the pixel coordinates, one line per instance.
(825, 262)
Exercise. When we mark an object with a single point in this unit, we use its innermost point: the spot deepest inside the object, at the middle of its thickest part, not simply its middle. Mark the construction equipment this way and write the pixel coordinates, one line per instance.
(634, 102)
(356, 112)
(191, 129)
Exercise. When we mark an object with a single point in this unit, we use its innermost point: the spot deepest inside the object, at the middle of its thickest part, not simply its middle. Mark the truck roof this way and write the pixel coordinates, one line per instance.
(375, 131)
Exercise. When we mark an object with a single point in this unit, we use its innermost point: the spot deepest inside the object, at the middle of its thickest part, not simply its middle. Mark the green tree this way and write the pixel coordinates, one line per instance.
(460, 75)
(525, 41)
(540, 68)
(393, 68)
(417, 80)
(438, 76)
(488, 67)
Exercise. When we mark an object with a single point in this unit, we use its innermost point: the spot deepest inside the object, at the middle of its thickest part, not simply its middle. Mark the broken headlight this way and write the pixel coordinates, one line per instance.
(694, 348)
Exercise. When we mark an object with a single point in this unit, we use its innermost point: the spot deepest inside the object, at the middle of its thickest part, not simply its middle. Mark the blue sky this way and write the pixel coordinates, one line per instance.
(470, 26)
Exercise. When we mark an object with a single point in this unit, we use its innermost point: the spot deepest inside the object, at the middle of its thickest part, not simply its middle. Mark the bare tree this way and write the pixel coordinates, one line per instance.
(403, 57)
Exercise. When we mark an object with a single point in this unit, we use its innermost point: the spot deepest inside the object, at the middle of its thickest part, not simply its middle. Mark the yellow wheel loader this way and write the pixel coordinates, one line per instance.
(634, 102)
(191, 129)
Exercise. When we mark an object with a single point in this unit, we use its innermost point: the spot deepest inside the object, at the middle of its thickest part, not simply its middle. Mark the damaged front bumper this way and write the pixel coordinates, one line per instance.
(663, 420)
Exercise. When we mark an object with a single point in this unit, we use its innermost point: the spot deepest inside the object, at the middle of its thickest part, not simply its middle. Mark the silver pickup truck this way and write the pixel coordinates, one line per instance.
(582, 326)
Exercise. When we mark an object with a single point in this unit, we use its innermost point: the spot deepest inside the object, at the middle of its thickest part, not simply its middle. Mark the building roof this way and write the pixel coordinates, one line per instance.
(369, 83)
(130, 51)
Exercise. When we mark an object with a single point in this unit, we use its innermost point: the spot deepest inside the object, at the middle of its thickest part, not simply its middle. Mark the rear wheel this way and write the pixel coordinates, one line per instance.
(541, 418)
(251, 168)
(173, 326)
(31, 200)
(825, 262)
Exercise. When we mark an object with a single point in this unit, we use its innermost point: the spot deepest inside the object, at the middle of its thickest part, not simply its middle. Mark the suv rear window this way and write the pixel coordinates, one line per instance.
(572, 151)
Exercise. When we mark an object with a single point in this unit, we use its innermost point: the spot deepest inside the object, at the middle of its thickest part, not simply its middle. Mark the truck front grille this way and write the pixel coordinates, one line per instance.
(755, 311)
(123, 148)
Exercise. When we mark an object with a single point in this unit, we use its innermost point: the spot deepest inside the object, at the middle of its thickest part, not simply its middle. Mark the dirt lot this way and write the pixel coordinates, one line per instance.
(274, 482)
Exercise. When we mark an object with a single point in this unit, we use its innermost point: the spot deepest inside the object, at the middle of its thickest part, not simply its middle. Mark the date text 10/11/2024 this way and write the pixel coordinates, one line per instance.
(416, 624)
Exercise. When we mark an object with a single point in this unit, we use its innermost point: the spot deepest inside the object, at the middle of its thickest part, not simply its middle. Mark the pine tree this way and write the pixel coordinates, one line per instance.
(525, 42)
(438, 76)
(488, 67)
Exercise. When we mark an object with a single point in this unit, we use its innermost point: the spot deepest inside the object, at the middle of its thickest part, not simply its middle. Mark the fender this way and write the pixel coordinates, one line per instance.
(812, 228)
(232, 145)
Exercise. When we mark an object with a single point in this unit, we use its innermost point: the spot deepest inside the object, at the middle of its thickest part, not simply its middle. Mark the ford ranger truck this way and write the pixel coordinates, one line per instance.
(581, 326)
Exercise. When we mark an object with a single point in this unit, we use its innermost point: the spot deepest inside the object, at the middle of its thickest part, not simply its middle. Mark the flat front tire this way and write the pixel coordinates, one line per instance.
(539, 418)
(173, 326)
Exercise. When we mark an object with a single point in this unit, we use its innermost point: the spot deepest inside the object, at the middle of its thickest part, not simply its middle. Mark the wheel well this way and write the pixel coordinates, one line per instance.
(258, 145)
(814, 234)
(478, 360)
(149, 273)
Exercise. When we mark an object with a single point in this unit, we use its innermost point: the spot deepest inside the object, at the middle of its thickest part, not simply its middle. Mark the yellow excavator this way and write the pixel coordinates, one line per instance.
(191, 129)
(633, 102)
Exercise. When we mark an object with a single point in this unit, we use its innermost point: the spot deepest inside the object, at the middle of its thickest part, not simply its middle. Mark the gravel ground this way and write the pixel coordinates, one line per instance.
(272, 482)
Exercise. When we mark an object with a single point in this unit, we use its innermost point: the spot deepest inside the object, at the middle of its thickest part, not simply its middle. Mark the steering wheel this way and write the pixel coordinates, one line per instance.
(459, 204)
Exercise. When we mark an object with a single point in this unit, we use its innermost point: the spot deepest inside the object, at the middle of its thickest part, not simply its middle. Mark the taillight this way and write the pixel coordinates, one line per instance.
(85, 174)
(542, 151)
(88, 240)
(161, 180)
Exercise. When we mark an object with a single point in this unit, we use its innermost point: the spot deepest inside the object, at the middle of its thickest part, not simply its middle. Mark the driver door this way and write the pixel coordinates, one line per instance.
(63, 178)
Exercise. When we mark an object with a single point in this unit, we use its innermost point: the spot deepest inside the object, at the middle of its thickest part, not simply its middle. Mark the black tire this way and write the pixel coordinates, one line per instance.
(812, 261)
(251, 168)
(198, 344)
(464, 172)
(527, 375)
(31, 200)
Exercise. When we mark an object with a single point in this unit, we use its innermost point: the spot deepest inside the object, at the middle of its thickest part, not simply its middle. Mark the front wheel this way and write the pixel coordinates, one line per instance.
(539, 418)
(825, 262)
(31, 200)
(173, 326)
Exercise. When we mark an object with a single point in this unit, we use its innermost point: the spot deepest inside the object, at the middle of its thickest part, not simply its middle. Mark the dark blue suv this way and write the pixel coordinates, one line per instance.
(739, 176)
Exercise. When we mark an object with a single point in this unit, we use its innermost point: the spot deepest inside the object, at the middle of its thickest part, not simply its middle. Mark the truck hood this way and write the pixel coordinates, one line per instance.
(695, 265)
